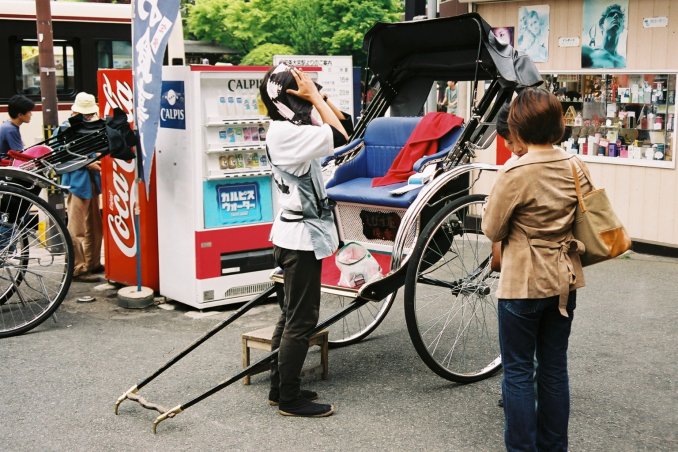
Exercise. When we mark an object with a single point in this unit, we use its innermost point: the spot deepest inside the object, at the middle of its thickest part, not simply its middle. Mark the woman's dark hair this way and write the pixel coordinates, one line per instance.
(19, 105)
(280, 79)
(536, 117)
(502, 121)
(266, 99)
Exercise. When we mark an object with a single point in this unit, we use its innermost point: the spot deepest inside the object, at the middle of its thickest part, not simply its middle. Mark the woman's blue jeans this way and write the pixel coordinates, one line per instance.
(530, 328)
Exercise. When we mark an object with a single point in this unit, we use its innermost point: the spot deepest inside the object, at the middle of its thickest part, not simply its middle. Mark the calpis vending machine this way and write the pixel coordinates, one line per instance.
(215, 199)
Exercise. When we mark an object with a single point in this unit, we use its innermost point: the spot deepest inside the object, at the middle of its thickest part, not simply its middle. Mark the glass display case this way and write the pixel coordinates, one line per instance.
(618, 118)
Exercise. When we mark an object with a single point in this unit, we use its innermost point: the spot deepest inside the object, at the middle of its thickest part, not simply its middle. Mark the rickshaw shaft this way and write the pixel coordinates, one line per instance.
(259, 365)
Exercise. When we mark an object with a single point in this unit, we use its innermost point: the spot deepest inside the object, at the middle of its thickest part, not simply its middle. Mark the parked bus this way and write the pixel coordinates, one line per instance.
(87, 37)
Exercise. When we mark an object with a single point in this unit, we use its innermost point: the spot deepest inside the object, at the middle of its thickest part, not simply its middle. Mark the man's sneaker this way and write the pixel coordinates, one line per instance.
(274, 397)
(305, 408)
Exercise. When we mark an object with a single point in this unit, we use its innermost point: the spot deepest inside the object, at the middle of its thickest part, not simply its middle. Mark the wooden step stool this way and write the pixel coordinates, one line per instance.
(261, 340)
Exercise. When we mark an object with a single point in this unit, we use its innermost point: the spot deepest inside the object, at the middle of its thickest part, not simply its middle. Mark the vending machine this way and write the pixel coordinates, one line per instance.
(120, 198)
(215, 200)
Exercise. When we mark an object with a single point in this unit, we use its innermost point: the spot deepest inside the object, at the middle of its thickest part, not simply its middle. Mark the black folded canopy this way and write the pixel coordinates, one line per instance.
(445, 49)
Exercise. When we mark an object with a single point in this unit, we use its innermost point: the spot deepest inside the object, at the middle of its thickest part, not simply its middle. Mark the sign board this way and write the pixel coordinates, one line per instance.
(571, 41)
(336, 76)
(172, 105)
(237, 201)
(655, 22)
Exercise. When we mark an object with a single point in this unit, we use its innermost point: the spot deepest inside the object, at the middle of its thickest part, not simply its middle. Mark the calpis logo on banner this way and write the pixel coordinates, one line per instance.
(173, 105)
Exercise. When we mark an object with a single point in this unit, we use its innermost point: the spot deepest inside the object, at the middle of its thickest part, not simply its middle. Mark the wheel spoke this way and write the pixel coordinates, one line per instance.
(449, 295)
(356, 325)
(34, 277)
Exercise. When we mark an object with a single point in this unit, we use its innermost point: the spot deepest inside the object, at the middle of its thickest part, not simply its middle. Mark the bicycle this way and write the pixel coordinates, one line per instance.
(36, 251)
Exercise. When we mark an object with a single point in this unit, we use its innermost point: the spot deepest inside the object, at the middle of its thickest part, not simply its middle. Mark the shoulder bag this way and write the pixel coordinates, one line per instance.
(495, 260)
(596, 224)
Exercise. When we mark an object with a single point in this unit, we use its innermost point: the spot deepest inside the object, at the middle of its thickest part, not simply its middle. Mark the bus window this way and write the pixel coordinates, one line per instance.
(114, 54)
(28, 68)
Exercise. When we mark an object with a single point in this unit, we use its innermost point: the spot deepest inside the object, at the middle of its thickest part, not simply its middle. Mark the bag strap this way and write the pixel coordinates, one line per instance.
(584, 171)
(577, 186)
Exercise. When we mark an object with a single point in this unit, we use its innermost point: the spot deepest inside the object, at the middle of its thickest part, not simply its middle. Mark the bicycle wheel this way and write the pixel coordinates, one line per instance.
(450, 303)
(357, 325)
(35, 268)
(19, 262)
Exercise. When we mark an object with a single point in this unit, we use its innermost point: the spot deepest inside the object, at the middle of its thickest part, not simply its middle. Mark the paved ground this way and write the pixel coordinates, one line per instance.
(61, 380)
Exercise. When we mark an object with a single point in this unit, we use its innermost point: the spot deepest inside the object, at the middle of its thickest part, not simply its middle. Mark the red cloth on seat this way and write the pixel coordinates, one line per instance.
(423, 141)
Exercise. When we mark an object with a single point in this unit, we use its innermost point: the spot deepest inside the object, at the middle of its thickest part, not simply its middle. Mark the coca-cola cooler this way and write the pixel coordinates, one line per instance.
(119, 198)
(215, 203)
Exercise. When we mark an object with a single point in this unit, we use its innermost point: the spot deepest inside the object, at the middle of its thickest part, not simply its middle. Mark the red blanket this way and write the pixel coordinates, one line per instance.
(423, 141)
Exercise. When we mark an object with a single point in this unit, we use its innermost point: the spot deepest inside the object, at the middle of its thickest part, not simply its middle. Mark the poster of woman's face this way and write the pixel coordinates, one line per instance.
(504, 35)
(605, 25)
(533, 32)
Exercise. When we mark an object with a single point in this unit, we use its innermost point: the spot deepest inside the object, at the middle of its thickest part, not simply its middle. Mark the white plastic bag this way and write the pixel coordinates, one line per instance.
(357, 265)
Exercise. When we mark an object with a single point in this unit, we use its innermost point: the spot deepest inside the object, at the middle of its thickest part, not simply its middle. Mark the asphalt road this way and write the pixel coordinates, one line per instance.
(61, 380)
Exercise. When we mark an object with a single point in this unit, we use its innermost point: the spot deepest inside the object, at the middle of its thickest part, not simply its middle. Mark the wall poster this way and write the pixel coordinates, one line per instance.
(604, 33)
(504, 35)
(533, 32)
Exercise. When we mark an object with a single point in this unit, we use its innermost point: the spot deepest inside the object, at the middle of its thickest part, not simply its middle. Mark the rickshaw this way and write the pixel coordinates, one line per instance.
(428, 240)
(36, 252)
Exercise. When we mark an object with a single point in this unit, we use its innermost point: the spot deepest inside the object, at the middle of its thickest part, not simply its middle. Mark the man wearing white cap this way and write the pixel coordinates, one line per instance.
(82, 204)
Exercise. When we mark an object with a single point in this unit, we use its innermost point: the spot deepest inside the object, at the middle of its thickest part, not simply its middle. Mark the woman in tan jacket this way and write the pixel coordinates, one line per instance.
(531, 210)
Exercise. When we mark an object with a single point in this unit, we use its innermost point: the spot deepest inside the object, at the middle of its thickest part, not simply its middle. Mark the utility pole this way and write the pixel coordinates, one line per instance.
(48, 95)
(432, 101)
(48, 88)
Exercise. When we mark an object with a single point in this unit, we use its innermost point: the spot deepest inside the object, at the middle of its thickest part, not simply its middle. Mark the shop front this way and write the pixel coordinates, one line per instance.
(611, 64)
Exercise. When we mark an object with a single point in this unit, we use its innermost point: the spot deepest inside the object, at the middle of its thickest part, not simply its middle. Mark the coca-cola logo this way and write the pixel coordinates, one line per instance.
(122, 198)
(121, 202)
(119, 95)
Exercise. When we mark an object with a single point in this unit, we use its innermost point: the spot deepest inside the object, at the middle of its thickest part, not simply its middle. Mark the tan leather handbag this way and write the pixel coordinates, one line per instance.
(596, 224)
(495, 261)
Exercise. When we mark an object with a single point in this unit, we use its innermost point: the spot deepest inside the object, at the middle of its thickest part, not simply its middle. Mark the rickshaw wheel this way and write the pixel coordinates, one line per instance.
(357, 325)
(450, 302)
(35, 267)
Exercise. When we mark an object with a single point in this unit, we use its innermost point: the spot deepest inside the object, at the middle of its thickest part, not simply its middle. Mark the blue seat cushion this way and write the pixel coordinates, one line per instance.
(384, 138)
(361, 191)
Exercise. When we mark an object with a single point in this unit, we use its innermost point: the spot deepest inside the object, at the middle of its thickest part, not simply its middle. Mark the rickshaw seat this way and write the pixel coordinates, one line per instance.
(384, 138)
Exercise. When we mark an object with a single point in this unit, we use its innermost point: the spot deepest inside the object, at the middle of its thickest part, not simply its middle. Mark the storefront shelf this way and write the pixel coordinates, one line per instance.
(627, 161)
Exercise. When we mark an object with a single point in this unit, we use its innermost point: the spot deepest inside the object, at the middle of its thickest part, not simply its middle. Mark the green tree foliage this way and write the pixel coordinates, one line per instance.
(312, 27)
(263, 55)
